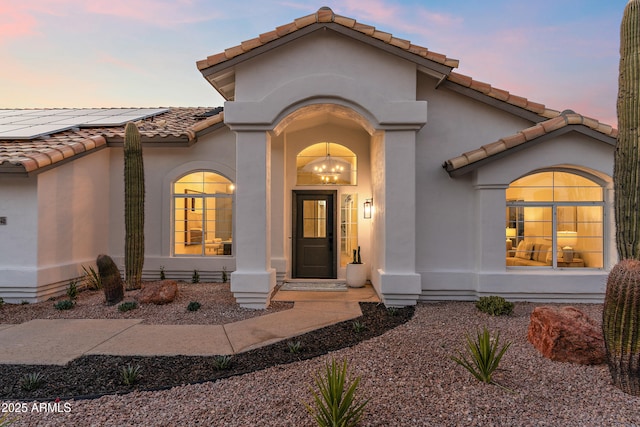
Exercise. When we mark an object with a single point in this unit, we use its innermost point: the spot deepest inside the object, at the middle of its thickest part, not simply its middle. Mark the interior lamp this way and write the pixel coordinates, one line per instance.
(368, 206)
(567, 240)
(511, 234)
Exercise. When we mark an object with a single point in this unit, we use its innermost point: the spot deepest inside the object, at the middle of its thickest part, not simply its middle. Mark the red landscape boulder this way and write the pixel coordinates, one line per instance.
(161, 292)
(566, 334)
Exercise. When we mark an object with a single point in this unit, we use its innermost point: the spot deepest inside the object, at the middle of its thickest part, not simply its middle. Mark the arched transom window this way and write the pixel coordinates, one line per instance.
(203, 214)
(326, 163)
(555, 219)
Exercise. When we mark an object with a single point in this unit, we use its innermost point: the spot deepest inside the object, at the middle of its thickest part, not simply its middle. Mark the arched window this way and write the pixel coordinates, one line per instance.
(326, 163)
(558, 210)
(203, 214)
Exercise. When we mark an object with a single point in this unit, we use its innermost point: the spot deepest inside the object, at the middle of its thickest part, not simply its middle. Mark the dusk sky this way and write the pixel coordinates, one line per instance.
(142, 53)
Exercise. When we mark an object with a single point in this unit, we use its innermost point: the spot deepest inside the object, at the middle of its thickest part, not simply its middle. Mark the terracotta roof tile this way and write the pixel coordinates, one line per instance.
(30, 155)
(324, 15)
(305, 21)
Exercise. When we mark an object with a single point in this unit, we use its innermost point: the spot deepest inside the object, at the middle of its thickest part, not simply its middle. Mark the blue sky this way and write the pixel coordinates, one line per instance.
(142, 53)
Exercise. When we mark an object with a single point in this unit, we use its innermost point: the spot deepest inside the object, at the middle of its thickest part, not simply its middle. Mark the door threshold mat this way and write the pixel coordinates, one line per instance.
(315, 286)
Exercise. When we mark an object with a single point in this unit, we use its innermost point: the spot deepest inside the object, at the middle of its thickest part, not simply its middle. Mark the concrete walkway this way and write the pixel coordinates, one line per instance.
(59, 341)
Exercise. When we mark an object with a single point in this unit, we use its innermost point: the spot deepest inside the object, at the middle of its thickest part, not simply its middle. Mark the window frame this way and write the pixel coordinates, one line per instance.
(520, 205)
(189, 205)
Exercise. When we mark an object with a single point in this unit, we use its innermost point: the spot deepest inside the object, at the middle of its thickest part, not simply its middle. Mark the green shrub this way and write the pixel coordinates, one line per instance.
(494, 305)
(72, 290)
(64, 305)
(294, 346)
(196, 277)
(358, 326)
(162, 275)
(225, 275)
(1, 302)
(194, 306)
(392, 311)
(484, 356)
(333, 405)
(130, 374)
(128, 305)
(31, 381)
(221, 362)
(92, 278)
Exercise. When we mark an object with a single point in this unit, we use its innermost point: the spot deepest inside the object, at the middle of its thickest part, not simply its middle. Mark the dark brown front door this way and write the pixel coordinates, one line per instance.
(314, 246)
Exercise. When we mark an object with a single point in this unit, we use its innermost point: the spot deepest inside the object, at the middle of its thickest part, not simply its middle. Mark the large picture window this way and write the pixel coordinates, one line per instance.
(203, 214)
(555, 219)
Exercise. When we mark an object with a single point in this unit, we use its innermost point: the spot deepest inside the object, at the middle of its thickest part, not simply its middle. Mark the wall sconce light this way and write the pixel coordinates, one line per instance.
(368, 206)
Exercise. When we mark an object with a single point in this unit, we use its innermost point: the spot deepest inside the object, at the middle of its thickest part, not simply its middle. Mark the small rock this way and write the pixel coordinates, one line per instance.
(566, 334)
(161, 292)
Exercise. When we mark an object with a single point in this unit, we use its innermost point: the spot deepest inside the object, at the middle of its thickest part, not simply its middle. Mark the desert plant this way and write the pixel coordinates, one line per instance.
(133, 207)
(484, 355)
(294, 346)
(621, 325)
(356, 256)
(111, 280)
(130, 374)
(494, 305)
(24, 302)
(392, 311)
(1, 302)
(333, 405)
(4, 420)
(621, 310)
(72, 290)
(222, 362)
(31, 381)
(127, 306)
(91, 278)
(358, 326)
(194, 306)
(162, 275)
(195, 278)
(64, 305)
(225, 275)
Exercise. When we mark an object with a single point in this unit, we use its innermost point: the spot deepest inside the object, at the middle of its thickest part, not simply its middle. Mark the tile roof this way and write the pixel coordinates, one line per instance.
(323, 15)
(177, 126)
(465, 162)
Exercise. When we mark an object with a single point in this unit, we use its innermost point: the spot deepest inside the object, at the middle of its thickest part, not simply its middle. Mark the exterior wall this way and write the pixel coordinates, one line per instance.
(61, 225)
(18, 238)
(460, 242)
(326, 53)
(216, 152)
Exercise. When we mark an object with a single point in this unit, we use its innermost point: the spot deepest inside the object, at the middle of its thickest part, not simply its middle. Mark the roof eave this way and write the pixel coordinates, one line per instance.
(585, 130)
(222, 75)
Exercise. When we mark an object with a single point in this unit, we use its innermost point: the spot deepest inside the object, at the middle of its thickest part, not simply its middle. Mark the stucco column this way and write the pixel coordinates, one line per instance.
(490, 228)
(253, 280)
(399, 284)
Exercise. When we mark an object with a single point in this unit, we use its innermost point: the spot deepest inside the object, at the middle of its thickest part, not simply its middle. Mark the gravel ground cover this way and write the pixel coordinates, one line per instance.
(406, 374)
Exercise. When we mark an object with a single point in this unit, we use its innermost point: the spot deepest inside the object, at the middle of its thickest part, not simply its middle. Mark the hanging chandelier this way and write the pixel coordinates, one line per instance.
(329, 169)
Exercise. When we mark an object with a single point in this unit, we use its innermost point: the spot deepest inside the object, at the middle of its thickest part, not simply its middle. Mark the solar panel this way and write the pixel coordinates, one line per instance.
(30, 124)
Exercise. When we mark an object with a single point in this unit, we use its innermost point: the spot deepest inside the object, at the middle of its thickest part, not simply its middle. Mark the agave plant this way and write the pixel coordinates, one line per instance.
(335, 406)
(484, 356)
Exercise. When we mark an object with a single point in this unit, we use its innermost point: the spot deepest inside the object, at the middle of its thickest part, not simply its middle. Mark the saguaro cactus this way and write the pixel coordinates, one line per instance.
(111, 280)
(133, 207)
(621, 311)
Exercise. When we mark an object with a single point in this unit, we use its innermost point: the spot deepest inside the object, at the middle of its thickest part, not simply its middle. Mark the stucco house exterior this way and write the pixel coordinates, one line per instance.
(333, 135)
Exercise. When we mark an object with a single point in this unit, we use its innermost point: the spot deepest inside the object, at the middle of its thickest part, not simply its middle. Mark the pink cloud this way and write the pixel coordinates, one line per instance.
(163, 13)
(16, 20)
